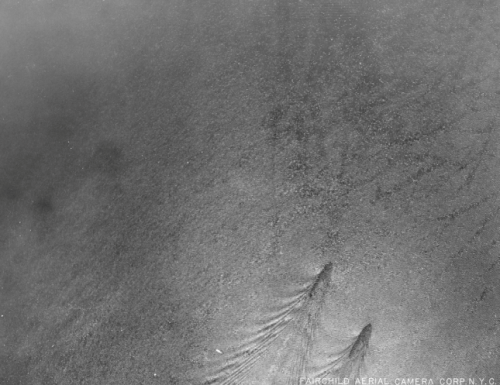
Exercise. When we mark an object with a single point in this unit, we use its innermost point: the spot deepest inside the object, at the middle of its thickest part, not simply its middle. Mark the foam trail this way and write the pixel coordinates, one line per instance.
(349, 363)
(294, 364)
(302, 313)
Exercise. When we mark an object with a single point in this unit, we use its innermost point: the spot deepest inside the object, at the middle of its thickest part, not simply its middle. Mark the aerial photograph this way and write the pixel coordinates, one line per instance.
(250, 192)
